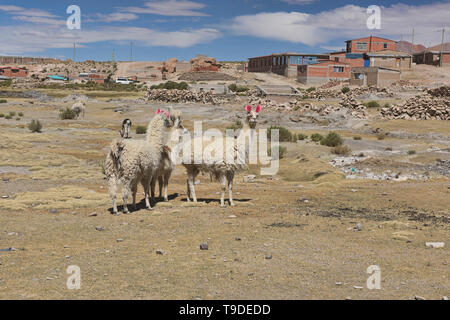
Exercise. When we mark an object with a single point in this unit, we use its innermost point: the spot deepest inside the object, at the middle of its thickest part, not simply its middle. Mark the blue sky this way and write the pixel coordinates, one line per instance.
(226, 29)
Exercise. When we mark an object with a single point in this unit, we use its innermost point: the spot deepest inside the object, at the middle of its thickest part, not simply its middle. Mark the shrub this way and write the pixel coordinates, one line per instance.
(6, 83)
(141, 130)
(316, 137)
(381, 135)
(236, 126)
(12, 113)
(3, 101)
(283, 133)
(2, 115)
(281, 152)
(17, 119)
(67, 114)
(341, 150)
(411, 152)
(20, 114)
(345, 90)
(357, 138)
(302, 136)
(332, 140)
(311, 89)
(171, 85)
(372, 104)
(8, 117)
(235, 88)
(35, 126)
(387, 105)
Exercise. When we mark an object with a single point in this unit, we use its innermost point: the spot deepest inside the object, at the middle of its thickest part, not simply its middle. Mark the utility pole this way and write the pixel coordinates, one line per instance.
(442, 49)
(74, 57)
(131, 51)
(412, 43)
(113, 55)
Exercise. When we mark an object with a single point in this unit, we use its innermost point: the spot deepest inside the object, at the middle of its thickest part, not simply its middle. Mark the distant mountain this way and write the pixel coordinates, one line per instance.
(406, 46)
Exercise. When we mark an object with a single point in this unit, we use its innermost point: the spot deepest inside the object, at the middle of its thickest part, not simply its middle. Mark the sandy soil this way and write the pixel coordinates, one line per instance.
(291, 236)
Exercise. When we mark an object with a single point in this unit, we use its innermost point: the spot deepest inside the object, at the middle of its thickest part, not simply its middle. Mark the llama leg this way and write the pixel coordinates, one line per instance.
(230, 177)
(112, 186)
(153, 185)
(125, 194)
(134, 190)
(147, 193)
(166, 186)
(223, 182)
(160, 185)
(192, 186)
(188, 192)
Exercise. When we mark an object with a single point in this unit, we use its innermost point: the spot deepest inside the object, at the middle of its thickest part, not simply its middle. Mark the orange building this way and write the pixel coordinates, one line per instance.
(322, 72)
(370, 44)
(13, 72)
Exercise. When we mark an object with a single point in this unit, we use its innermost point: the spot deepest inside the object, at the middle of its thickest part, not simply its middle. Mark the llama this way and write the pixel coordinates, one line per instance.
(132, 161)
(221, 171)
(126, 128)
(167, 163)
(80, 108)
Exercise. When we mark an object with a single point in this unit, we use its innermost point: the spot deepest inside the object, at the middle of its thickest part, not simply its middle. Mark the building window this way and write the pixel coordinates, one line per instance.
(336, 59)
(338, 69)
(361, 46)
(385, 45)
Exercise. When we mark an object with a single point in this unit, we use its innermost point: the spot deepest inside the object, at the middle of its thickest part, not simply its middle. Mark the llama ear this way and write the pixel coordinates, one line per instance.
(248, 108)
(258, 108)
(158, 111)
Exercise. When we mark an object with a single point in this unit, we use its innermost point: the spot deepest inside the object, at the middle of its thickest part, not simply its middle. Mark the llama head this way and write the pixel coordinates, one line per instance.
(165, 116)
(252, 115)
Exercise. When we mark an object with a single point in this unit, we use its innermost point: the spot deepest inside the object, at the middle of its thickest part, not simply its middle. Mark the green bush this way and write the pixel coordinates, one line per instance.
(141, 130)
(236, 126)
(316, 137)
(345, 90)
(6, 83)
(12, 113)
(302, 136)
(411, 152)
(8, 117)
(171, 85)
(239, 89)
(67, 114)
(281, 152)
(2, 115)
(35, 126)
(341, 150)
(357, 138)
(20, 114)
(381, 135)
(372, 104)
(3, 101)
(332, 140)
(284, 134)
(311, 89)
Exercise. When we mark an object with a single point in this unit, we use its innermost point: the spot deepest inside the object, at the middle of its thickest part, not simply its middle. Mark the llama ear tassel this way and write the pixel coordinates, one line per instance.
(158, 111)
(248, 108)
(258, 108)
(167, 114)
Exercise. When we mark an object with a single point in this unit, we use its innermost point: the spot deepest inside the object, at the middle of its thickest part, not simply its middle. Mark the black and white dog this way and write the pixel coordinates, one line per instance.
(126, 128)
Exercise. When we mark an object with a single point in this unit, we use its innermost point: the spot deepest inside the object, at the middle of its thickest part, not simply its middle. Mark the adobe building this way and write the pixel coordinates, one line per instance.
(374, 76)
(370, 44)
(432, 56)
(284, 64)
(390, 59)
(14, 72)
(323, 71)
(353, 59)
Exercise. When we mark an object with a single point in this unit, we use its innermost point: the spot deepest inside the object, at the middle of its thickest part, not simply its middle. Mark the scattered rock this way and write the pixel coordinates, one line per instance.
(268, 257)
(161, 252)
(358, 227)
(434, 244)
(99, 228)
(419, 298)
(358, 287)
(204, 246)
(249, 178)
(237, 238)
(119, 240)
(53, 211)
(93, 214)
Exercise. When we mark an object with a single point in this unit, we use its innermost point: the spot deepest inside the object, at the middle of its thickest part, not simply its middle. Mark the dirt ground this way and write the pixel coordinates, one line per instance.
(291, 236)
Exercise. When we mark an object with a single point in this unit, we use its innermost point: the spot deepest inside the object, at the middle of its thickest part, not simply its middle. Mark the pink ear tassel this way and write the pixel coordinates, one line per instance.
(258, 108)
(248, 108)
(158, 111)
(167, 114)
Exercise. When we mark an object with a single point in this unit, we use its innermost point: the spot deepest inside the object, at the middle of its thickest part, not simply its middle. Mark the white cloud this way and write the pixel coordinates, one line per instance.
(116, 17)
(26, 39)
(15, 10)
(169, 8)
(348, 21)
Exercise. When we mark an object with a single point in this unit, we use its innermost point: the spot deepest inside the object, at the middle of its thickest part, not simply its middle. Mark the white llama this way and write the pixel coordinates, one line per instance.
(132, 161)
(80, 108)
(222, 171)
(126, 128)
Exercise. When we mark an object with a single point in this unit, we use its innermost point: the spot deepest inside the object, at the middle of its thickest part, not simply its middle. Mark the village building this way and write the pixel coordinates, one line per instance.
(14, 72)
(389, 59)
(432, 56)
(323, 71)
(369, 44)
(284, 64)
(374, 76)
